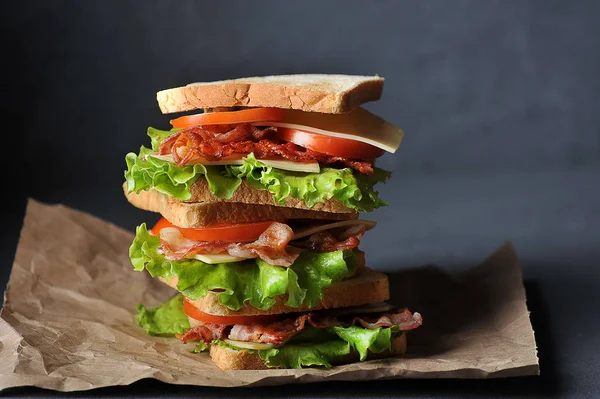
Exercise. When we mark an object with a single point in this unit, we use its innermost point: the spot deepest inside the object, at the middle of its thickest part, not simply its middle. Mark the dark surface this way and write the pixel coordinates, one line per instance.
(500, 102)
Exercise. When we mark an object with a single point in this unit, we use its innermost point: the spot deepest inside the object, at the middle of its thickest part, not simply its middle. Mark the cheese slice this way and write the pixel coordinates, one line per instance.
(359, 125)
(307, 231)
(277, 163)
(217, 258)
(250, 345)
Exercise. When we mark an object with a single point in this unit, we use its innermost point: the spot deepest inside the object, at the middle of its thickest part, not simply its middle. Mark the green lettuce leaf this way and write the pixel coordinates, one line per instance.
(200, 347)
(165, 319)
(353, 190)
(296, 356)
(312, 188)
(322, 347)
(253, 281)
(364, 340)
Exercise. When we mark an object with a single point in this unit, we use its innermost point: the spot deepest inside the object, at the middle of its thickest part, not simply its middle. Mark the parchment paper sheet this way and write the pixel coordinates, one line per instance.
(67, 322)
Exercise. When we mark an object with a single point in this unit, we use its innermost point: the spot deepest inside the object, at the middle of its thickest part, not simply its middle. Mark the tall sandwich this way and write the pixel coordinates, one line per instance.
(260, 189)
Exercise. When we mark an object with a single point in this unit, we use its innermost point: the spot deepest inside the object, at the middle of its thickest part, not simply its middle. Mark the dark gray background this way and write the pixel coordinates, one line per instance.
(500, 102)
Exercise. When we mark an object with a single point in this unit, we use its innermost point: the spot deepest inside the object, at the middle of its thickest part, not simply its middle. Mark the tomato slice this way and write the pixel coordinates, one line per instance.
(226, 118)
(330, 145)
(231, 232)
(196, 314)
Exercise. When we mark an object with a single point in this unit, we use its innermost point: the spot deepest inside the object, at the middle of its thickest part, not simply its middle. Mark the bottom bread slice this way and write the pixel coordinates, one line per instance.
(231, 359)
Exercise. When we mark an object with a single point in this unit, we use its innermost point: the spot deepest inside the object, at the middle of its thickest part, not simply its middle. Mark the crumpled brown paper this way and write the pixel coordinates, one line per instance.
(67, 322)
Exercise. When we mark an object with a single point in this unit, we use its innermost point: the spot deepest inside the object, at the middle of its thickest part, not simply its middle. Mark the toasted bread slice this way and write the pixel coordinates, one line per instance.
(231, 359)
(332, 94)
(247, 194)
(207, 213)
(368, 287)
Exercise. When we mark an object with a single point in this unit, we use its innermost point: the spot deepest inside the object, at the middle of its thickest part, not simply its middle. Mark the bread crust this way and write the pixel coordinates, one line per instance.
(373, 287)
(231, 359)
(315, 93)
(203, 214)
(247, 194)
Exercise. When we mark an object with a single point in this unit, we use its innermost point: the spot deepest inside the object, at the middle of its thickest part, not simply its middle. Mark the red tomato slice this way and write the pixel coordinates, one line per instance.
(330, 145)
(196, 314)
(231, 232)
(228, 118)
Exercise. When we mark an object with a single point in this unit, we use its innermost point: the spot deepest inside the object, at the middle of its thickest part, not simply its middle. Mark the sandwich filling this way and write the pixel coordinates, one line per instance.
(253, 262)
(273, 245)
(292, 341)
(225, 148)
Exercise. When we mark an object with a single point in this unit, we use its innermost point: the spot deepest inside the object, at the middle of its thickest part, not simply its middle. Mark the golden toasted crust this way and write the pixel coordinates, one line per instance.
(231, 359)
(202, 214)
(247, 194)
(315, 93)
(372, 286)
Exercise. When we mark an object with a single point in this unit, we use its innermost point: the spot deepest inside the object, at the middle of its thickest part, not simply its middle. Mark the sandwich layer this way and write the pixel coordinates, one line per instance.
(247, 194)
(367, 287)
(200, 213)
(310, 92)
(231, 359)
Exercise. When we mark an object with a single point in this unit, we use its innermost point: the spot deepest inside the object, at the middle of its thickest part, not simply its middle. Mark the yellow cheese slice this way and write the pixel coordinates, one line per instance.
(250, 345)
(359, 125)
(283, 164)
(218, 258)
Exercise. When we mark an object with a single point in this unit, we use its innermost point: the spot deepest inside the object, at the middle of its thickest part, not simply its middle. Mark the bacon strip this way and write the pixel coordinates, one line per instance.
(280, 332)
(271, 246)
(334, 239)
(405, 320)
(216, 142)
(276, 333)
(205, 332)
(175, 246)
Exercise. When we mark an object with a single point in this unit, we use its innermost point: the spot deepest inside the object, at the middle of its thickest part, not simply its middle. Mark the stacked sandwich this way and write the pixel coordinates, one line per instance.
(260, 189)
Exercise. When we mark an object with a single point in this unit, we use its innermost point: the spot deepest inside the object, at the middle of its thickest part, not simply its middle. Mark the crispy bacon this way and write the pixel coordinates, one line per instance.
(216, 142)
(334, 239)
(175, 246)
(281, 331)
(275, 333)
(270, 246)
(205, 332)
(404, 319)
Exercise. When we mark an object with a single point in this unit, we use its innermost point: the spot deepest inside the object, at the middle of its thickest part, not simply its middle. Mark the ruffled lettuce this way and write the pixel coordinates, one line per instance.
(253, 281)
(354, 190)
(323, 347)
(312, 188)
(165, 319)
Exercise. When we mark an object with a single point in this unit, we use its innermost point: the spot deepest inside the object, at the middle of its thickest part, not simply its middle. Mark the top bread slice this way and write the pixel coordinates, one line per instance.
(333, 94)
